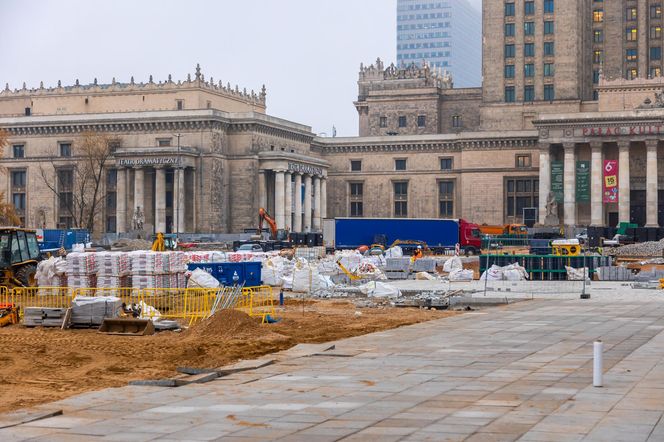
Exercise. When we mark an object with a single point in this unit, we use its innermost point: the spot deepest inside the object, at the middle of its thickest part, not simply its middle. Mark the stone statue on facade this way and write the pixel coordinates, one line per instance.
(551, 218)
(138, 219)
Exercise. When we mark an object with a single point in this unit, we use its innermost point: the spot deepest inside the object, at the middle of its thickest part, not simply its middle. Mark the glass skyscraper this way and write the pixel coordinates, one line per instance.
(447, 34)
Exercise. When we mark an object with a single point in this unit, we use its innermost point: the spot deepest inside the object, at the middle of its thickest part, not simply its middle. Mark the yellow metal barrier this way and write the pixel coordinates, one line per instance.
(257, 301)
(190, 304)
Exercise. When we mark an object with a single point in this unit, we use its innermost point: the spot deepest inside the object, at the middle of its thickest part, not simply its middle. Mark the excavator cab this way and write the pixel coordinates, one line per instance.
(19, 255)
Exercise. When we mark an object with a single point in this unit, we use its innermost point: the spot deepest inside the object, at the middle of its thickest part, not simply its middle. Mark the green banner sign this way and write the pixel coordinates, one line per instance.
(583, 181)
(557, 176)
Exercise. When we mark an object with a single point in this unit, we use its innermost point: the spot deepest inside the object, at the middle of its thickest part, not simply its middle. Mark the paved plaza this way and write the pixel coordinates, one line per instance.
(518, 372)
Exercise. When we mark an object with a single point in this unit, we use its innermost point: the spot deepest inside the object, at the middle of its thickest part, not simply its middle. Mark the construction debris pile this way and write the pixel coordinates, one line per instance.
(643, 249)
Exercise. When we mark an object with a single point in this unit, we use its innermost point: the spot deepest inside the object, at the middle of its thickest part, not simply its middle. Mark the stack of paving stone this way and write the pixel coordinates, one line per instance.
(397, 268)
(44, 317)
(158, 269)
(614, 273)
(113, 270)
(424, 265)
(82, 270)
(90, 311)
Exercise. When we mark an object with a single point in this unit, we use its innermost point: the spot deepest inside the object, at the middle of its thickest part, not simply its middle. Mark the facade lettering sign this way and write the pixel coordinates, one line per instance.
(305, 168)
(152, 161)
(611, 131)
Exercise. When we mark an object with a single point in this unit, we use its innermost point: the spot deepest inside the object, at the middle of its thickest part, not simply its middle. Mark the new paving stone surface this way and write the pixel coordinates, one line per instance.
(520, 372)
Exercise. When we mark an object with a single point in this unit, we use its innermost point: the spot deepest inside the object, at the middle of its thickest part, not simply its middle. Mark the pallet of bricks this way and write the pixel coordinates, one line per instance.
(82, 270)
(158, 269)
(113, 272)
(397, 268)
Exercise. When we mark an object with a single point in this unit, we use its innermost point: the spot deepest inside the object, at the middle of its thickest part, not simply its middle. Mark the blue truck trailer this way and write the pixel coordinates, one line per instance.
(54, 239)
(438, 234)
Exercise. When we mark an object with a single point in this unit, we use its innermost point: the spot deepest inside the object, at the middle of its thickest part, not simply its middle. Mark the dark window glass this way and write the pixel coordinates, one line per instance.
(65, 149)
(400, 164)
(18, 150)
(356, 165)
(446, 164)
(402, 121)
(421, 121)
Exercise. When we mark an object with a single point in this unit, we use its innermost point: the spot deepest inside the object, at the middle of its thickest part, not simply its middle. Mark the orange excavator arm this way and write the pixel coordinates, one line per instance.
(264, 216)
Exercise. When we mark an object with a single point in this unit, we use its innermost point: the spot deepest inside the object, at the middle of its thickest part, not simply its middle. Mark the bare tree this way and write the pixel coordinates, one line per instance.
(8, 214)
(79, 184)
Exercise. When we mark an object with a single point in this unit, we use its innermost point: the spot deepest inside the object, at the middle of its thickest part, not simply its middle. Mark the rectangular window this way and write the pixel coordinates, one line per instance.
(18, 150)
(655, 11)
(179, 104)
(548, 49)
(655, 53)
(509, 71)
(596, 76)
(355, 165)
(18, 200)
(520, 193)
(529, 8)
(421, 120)
(529, 28)
(655, 71)
(656, 31)
(548, 6)
(509, 9)
(446, 199)
(18, 179)
(598, 36)
(529, 70)
(598, 15)
(356, 199)
(401, 199)
(509, 51)
(598, 56)
(631, 14)
(529, 50)
(456, 121)
(631, 54)
(529, 93)
(402, 121)
(446, 163)
(509, 29)
(111, 224)
(400, 164)
(549, 92)
(523, 161)
(164, 142)
(548, 28)
(549, 69)
(631, 73)
(510, 97)
(383, 121)
(65, 149)
(631, 34)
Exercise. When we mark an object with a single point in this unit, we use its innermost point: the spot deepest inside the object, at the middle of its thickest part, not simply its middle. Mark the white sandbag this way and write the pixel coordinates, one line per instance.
(325, 282)
(367, 270)
(328, 266)
(351, 259)
(394, 252)
(201, 279)
(577, 274)
(424, 276)
(378, 289)
(512, 272)
(461, 275)
(271, 271)
(452, 264)
(494, 273)
(305, 276)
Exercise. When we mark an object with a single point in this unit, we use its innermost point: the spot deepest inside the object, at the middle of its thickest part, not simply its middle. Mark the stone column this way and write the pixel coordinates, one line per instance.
(316, 220)
(297, 194)
(288, 201)
(569, 181)
(307, 203)
(596, 181)
(651, 184)
(139, 192)
(179, 202)
(544, 179)
(279, 198)
(121, 201)
(262, 190)
(323, 198)
(623, 182)
(160, 199)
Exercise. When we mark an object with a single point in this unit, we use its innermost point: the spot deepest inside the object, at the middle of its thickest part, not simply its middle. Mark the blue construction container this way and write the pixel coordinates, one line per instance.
(224, 272)
(56, 238)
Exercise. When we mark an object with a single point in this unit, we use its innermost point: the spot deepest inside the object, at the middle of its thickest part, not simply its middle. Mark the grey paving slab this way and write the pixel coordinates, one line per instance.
(522, 372)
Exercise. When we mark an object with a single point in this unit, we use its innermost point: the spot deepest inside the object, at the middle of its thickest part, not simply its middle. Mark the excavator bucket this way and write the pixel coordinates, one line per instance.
(127, 327)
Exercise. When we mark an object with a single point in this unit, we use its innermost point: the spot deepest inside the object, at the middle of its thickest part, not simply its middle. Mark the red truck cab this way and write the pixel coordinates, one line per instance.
(470, 238)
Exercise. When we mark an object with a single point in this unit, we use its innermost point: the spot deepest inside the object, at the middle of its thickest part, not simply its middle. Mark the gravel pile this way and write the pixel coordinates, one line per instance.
(650, 248)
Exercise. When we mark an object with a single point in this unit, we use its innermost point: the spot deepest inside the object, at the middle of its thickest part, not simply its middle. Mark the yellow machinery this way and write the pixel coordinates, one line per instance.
(352, 276)
(566, 247)
(163, 242)
(8, 314)
(19, 255)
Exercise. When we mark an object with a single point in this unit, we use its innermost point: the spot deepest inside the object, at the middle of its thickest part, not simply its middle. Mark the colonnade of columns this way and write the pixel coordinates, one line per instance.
(125, 215)
(295, 209)
(597, 176)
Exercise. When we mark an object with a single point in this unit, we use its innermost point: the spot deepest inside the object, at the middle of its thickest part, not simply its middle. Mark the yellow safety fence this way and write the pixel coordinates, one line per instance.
(189, 305)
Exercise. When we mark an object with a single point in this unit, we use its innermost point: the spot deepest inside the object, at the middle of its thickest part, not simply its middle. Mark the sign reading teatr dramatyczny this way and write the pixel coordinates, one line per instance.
(148, 161)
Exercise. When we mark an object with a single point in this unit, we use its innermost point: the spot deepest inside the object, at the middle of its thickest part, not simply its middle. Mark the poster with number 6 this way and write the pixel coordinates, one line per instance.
(610, 182)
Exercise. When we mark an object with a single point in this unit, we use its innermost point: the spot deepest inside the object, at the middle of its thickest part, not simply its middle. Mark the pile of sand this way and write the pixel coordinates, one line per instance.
(226, 324)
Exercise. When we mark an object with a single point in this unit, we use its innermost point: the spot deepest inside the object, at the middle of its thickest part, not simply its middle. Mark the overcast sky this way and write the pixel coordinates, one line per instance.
(307, 52)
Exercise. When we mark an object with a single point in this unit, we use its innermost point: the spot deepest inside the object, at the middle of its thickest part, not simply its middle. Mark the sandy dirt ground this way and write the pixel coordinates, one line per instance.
(39, 365)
